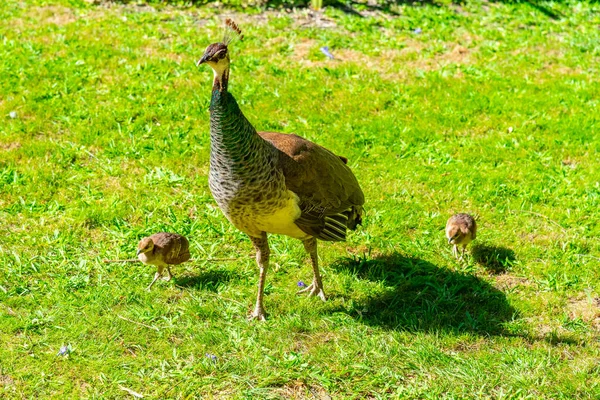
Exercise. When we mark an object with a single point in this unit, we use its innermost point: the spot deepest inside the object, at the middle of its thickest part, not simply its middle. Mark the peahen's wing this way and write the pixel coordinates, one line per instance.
(330, 197)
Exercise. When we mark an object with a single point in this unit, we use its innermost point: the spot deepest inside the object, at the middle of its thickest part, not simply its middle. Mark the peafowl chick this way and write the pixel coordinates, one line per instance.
(163, 249)
(461, 229)
(267, 182)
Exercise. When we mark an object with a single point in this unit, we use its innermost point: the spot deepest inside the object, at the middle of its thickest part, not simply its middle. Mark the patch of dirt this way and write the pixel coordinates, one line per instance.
(548, 51)
(300, 390)
(555, 68)
(175, 340)
(312, 19)
(458, 54)
(569, 162)
(83, 386)
(10, 311)
(175, 298)
(359, 250)
(542, 239)
(222, 394)
(304, 342)
(386, 62)
(469, 346)
(588, 309)
(10, 146)
(113, 183)
(551, 59)
(302, 49)
(57, 15)
(157, 53)
(545, 329)
(130, 349)
(6, 380)
(506, 282)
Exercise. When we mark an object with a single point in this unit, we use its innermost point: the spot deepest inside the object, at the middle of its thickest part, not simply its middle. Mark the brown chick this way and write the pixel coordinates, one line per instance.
(461, 229)
(163, 249)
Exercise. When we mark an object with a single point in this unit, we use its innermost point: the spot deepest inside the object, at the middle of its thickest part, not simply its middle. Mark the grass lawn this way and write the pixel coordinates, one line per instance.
(490, 108)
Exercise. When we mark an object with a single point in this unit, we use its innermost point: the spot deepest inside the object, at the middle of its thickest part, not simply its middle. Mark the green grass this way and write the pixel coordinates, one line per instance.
(492, 110)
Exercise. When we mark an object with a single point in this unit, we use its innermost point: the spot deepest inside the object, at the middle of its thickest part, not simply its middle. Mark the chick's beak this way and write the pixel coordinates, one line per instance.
(204, 59)
(449, 240)
(138, 252)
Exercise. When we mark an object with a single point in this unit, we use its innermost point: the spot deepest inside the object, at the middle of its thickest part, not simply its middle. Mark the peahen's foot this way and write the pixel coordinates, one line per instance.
(258, 314)
(313, 290)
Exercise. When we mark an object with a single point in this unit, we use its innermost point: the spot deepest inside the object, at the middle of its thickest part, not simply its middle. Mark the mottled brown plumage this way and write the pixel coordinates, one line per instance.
(461, 229)
(162, 250)
(322, 181)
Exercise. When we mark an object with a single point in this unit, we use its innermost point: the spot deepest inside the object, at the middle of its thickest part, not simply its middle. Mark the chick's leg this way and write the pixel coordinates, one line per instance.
(261, 246)
(316, 287)
(159, 271)
(169, 275)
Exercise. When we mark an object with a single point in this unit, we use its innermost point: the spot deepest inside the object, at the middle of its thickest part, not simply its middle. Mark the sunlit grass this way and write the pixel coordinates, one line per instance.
(487, 108)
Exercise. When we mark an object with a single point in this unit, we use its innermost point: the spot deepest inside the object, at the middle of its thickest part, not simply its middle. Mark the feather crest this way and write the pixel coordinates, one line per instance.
(231, 31)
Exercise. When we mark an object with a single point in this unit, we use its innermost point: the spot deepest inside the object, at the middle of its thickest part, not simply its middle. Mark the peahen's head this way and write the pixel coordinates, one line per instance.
(216, 55)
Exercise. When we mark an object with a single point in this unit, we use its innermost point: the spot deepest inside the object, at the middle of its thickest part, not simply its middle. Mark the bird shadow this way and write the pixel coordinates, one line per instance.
(495, 259)
(420, 296)
(209, 280)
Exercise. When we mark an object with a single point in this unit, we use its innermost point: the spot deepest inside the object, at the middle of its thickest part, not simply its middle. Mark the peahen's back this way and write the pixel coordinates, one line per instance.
(330, 197)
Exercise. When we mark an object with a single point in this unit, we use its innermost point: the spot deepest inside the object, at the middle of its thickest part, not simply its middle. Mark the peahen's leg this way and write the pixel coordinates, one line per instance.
(261, 245)
(455, 251)
(316, 287)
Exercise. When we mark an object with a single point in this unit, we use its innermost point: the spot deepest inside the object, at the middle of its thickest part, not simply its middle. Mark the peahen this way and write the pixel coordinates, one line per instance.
(267, 182)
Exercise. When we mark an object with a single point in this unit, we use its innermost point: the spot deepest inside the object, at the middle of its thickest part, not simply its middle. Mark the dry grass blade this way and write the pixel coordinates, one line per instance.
(131, 392)
(138, 323)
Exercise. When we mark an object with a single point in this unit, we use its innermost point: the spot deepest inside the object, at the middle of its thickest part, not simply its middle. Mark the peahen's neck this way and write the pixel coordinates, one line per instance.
(235, 146)
(221, 79)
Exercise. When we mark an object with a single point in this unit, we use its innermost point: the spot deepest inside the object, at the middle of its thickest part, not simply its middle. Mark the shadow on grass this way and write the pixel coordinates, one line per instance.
(422, 296)
(495, 259)
(351, 7)
(209, 280)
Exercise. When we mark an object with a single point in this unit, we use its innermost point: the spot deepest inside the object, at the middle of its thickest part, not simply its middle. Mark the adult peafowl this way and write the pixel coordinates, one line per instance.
(267, 182)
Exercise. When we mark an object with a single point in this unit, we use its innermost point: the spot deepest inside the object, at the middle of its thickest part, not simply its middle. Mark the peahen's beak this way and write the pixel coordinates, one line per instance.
(204, 59)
